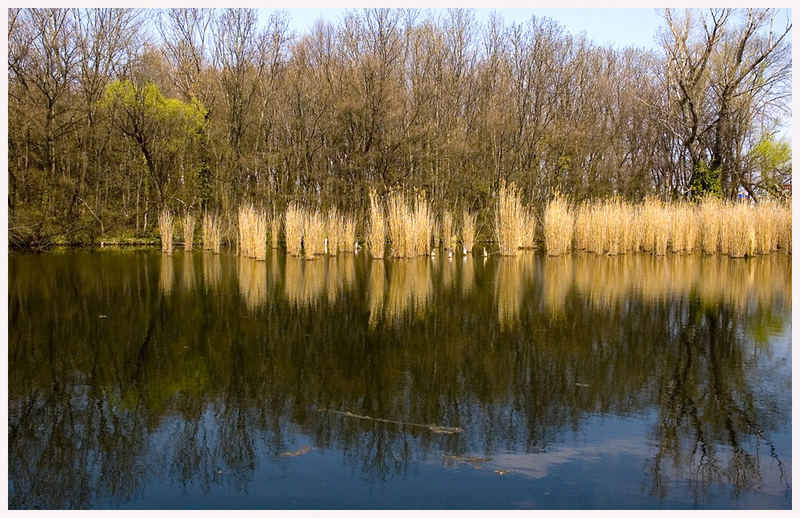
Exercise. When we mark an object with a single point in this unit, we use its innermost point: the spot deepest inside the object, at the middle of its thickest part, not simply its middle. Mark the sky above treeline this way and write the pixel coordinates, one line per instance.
(618, 27)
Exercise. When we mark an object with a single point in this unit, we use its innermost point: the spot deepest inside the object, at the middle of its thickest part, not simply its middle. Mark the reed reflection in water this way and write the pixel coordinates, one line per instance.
(410, 288)
(155, 398)
(252, 279)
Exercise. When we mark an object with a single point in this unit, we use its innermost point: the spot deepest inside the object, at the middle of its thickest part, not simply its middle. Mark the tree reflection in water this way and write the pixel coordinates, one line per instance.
(115, 377)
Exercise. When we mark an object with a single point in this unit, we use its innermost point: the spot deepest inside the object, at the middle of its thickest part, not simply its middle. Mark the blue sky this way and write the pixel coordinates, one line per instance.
(620, 27)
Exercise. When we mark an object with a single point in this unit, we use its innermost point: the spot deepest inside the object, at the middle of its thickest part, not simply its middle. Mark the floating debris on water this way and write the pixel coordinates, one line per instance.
(432, 427)
(502, 472)
(296, 453)
(459, 459)
(583, 385)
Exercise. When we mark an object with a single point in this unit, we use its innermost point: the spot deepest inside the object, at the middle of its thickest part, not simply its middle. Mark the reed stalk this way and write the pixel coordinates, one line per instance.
(314, 234)
(468, 220)
(294, 225)
(275, 229)
(509, 219)
(377, 226)
(448, 231)
(188, 231)
(528, 229)
(165, 228)
(211, 232)
(559, 224)
(252, 232)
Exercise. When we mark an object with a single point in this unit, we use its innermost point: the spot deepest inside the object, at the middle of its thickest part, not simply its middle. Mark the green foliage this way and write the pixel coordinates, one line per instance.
(772, 160)
(705, 181)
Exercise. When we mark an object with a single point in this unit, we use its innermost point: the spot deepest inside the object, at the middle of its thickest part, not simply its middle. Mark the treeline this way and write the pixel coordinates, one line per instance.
(115, 114)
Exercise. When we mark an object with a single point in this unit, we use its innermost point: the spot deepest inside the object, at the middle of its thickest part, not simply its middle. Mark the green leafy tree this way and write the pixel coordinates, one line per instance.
(168, 131)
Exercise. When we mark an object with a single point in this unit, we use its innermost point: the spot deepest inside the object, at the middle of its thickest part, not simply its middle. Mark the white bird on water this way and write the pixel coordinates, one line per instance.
(484, 252)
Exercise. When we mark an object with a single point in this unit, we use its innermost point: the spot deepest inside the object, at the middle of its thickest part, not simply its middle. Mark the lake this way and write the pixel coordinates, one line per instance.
(138, 380)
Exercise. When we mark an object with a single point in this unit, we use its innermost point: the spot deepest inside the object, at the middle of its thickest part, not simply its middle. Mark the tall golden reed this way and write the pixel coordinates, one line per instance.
(655, 226)
(468, 220)
(165, 227)
(188, 231)
(710, 211)
(422, 225)
(275, 229)
(333, 231)
(377, 226)
(509, 219)
(314, 234)
(252, 232)
(448, 231)
(559, 224)
(528, 238)
(211, 232)
(347, 240)
(400, 223)
(294, 224)
(737, 235)
(684, 227)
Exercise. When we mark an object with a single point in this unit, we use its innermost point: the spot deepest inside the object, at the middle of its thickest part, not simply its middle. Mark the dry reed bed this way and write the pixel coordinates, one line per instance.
(376, 236)
(410, 223)
(252, 232)
(468, 223)
(559, 223)
(294, 225)
(188, 231)
(165, 228)
(211, 233)
(314, 234)
(509, 219)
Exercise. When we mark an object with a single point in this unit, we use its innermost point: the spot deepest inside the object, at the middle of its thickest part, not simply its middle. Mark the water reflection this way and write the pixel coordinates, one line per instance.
(252, 277)
(410, 289)
(118, 382)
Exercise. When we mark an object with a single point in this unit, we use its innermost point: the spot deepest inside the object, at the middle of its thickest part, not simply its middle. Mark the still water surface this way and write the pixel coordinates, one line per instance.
(138, 380)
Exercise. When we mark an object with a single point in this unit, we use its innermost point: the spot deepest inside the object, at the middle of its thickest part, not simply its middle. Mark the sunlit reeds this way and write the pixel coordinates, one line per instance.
(448, 231)
(710, 211)
(655, 226)
(559, 223)
(468, 220)
(423, 224)
(275, 229)
(767, 226)
(333, 231)
(400, 222)
(165, 228)
(211, 232)
(314, 234)
(376, 235)
(293, 226)
(737, 232)
(684, 227)
(252, 232)
(347, 239)
(509, 219)
(188, 231)
(528, 229)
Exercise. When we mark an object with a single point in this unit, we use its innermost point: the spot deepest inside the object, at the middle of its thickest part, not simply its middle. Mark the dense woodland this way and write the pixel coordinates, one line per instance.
(115, 114)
